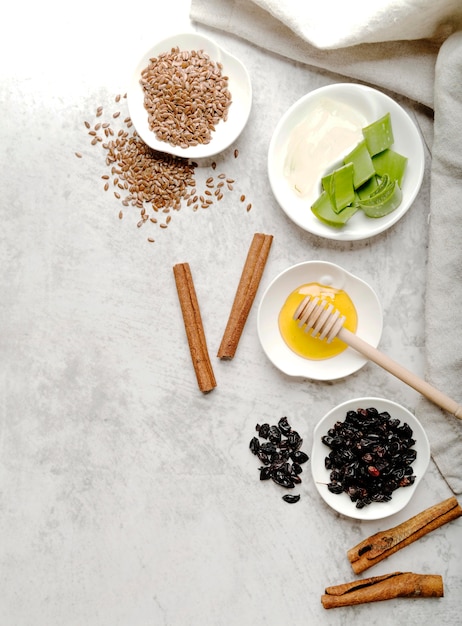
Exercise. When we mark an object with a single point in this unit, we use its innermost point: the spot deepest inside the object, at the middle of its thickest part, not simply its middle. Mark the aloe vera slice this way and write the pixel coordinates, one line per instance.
(392, 163)
(379, 135)
(324, 211)
(383, 202)
(363, 168)
(339, 187)
(369, 187)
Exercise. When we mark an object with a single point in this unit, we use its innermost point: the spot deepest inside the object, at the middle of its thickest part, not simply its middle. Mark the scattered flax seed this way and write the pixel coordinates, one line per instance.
(249, 206)
(149, 181)
(151, 240)
(236, 153)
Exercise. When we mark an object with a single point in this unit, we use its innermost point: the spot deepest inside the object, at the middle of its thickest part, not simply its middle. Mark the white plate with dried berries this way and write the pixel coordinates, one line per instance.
(368, 457)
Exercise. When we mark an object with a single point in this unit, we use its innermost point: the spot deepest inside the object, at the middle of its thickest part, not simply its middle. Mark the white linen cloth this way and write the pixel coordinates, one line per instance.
(338, 24)
(413, 48)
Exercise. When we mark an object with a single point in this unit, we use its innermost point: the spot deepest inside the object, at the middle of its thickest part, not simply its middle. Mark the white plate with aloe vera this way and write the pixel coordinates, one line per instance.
(317, 137)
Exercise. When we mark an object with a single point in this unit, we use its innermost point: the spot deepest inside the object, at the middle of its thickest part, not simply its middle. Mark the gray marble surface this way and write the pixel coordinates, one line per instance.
(128, 498)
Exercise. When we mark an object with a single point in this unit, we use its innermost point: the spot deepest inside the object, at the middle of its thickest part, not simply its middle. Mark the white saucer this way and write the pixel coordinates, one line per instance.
(239, 85)
(342, 502)
(371, 104)
(364, 299)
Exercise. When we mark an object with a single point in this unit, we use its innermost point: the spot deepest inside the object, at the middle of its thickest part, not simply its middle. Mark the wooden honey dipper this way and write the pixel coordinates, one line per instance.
(323, 321)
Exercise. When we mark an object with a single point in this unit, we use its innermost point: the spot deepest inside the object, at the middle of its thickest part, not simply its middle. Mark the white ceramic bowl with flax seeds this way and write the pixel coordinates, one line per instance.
(188, 97)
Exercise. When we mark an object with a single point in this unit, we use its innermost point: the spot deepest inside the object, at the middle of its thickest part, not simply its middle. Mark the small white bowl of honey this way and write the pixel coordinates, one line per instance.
(286, 343)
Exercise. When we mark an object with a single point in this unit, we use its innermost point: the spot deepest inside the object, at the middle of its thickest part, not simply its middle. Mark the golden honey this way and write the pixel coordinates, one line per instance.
(301, 342)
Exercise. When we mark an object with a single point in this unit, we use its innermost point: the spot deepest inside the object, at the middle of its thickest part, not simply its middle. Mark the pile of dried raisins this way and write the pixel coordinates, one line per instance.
(280, 454)
(371, 456)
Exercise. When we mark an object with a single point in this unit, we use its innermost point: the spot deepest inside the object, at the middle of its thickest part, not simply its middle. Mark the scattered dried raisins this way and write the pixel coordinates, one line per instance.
(291, 498)
(280, 454)
(371, 456)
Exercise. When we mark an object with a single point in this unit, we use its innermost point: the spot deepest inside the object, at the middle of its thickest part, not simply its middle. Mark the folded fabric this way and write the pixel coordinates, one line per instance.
(444, 268)
(405, 67)
(337, 24)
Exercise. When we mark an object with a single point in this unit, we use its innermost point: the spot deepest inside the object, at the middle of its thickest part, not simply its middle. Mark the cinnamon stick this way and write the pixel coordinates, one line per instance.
(245, 294)
(384, 543)
(378, 588)
(194, 327)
